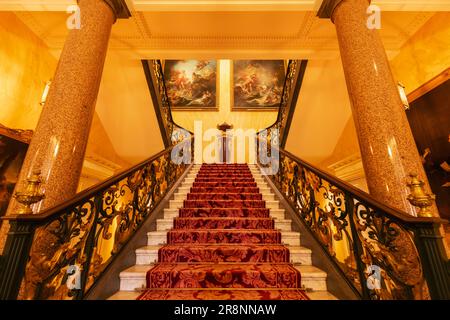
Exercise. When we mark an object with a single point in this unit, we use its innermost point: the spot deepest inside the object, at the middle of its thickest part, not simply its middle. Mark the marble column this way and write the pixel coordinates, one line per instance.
(388, 149)
(60, 138)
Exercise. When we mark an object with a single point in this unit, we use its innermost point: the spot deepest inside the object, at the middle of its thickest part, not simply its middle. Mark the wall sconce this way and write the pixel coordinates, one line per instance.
(45, 93)
(403, 97)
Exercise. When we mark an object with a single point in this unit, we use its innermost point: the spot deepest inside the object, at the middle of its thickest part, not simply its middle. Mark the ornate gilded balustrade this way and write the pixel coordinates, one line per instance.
(381, 252)
(61, 252)
(172, 133)
(292, 83)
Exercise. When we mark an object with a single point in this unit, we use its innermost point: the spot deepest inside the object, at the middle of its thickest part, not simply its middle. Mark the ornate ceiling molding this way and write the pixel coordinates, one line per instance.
(119, 8)
(308, 37)
(224, 5)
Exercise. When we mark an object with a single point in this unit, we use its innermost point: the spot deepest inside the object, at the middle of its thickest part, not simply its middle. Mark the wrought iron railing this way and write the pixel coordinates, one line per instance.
(382, 253)
(61, 252)
(172, 133)
(292, 84)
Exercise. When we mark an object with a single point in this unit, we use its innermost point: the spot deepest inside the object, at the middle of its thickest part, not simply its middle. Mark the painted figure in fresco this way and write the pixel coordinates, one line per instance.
(258, 83)
(191, 83)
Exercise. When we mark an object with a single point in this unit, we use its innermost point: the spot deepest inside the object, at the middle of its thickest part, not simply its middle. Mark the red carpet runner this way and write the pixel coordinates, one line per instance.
(223, 245)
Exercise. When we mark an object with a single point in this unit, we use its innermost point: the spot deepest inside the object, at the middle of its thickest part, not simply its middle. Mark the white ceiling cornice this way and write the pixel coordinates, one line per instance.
(225, 5)
(221, 35)
(413, 5)
(35, 5)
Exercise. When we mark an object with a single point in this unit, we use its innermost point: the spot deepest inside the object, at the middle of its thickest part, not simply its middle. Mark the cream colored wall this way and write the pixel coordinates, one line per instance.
(125, 108)
(345, 161)
(322, 111)
(210, 119)
(239, 120)
(25, 67)
(100, 144)
(322, 130)
(425, 55)
(346, 145)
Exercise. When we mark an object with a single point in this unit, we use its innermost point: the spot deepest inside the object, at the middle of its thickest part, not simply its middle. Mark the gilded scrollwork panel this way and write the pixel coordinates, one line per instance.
(360, 238)
(88, 235)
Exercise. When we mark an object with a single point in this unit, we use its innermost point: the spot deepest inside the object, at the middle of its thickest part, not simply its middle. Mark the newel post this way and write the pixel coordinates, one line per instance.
(435, 263)
(15, 257)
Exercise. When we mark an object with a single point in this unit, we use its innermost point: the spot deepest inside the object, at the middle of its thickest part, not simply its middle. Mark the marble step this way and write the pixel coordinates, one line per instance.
(149, 254)
(176, 204)
(262, 184)
(167, 224)
(132, 295)
(183, 196)
(194, 175)
(313, 278)
(170, 213)
(156, 238)
(135, 277)
(191, 180)
(186, 190)
(289, 238)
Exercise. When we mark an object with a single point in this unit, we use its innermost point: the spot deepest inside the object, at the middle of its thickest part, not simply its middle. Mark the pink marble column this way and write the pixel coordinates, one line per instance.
(388, 150)
(60, 138)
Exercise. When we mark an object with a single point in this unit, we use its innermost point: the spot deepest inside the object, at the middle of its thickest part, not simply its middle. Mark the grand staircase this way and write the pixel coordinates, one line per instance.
(224, 236)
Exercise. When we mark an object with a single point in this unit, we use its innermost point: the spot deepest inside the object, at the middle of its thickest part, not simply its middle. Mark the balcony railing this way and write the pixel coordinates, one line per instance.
(292, 84)
(171, 132)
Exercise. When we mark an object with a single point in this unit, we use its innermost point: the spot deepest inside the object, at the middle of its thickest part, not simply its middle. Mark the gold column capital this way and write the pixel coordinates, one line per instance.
(119, 8)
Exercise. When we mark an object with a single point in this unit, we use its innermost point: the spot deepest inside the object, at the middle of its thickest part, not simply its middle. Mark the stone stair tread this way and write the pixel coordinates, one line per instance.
(147, 248)
(139, 271)
(299, 249)
(321, 295)
(125, 295)
(225, 230)
(156, 232)
(136, 271)
(278, 220)
(226, 245)
(225, 294)
(291, 248)
(311, 271)
(221, 218)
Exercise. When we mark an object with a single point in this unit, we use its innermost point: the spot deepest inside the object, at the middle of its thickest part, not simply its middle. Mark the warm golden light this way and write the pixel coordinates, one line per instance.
(45, 93)
(403, 97)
